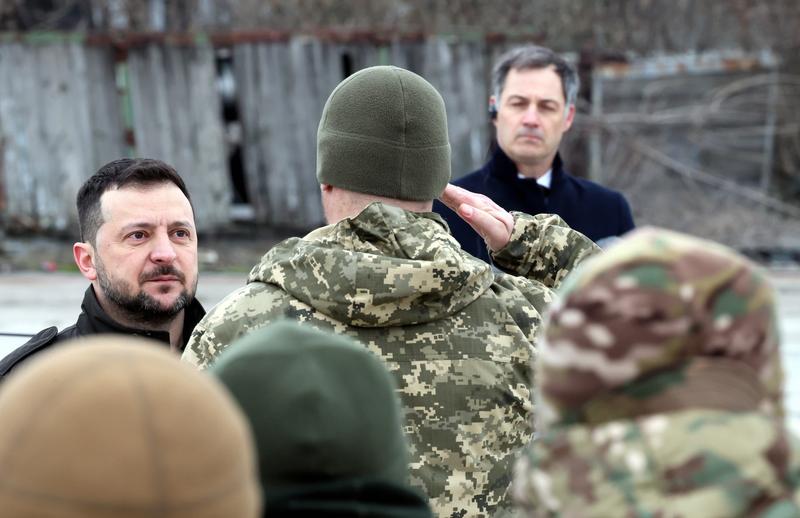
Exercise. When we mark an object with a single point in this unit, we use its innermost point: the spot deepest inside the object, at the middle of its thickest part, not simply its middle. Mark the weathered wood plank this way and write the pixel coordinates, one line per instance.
(177, 119)
(282, 88)
(48, 121)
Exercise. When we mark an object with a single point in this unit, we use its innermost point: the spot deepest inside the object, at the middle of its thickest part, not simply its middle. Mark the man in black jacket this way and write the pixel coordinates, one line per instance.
(532, 106)
(138, 249)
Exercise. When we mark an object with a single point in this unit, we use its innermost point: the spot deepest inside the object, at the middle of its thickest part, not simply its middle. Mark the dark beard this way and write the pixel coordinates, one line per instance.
(141, 307)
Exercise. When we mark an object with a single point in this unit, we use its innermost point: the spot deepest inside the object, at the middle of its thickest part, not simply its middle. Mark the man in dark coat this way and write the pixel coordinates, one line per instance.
(138, 249)
(533, 105)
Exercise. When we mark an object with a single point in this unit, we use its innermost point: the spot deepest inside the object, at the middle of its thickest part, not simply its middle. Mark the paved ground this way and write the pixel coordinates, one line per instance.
(31, 301)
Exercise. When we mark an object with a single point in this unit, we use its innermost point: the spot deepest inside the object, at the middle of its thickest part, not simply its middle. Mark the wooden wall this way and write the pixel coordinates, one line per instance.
(59, 119)
(282, 90)
(176, 114)
(69, 106)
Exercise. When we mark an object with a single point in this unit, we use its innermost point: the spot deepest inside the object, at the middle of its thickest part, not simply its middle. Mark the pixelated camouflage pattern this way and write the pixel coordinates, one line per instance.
(660, 389)
(541, 249)
(654, 300)
(457, 336)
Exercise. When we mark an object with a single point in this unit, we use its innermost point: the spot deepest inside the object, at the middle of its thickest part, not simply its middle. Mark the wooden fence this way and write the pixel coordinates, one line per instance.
(62, 116)
(68, 106)
(176, 117)
(691, 140)
(282, 90)
(58, 119)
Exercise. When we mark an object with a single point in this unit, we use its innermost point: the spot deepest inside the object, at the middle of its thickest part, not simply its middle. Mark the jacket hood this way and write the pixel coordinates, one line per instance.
(655, 302)
(661, 388)
(326, 419)
(378, 269)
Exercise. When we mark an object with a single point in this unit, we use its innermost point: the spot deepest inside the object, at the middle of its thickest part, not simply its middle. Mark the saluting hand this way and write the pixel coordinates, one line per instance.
(491, 221)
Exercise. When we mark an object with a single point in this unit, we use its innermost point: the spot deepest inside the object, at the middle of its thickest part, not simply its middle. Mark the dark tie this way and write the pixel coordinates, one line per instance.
(544, 190)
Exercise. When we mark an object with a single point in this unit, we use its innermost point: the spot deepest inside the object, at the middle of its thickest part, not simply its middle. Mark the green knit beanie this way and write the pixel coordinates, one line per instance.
(383, 131)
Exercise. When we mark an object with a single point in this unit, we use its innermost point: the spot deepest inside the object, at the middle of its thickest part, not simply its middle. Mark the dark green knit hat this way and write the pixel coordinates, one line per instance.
(383, 131)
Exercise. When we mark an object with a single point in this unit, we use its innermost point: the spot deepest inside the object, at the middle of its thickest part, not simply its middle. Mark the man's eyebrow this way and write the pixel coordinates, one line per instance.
(147, 225)
(548, 100)
(181, 223)
(137, 224)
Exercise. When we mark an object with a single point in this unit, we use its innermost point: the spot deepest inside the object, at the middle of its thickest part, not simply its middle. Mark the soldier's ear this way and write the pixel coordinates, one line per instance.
(84, 258)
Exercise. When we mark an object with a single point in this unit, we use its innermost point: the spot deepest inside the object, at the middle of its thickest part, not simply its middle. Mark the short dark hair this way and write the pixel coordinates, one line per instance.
(534, 56)
(117, 174)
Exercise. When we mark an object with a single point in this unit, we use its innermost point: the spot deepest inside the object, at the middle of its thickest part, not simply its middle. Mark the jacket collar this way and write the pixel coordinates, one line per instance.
(502, 167)
(94, 320)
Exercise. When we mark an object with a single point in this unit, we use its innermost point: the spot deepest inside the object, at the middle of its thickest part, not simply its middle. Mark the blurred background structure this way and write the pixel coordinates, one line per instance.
(689, 108)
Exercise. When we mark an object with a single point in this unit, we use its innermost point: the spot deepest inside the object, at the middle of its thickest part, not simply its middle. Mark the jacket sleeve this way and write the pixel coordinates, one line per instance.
(197, 351)
(248, 308)
(543, 248)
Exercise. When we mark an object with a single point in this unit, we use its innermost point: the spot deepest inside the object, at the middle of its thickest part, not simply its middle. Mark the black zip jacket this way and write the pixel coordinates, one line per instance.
(93, 320)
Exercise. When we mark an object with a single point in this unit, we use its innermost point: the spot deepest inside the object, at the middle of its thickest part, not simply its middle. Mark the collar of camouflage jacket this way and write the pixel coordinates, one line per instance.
(384, 267)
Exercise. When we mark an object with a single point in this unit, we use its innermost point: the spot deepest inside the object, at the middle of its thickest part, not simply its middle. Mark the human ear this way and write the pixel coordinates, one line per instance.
(570, 117)
(84, 258)
(492, 107)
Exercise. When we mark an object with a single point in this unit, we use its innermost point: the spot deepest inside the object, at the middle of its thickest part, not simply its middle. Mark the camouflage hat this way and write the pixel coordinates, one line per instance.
(113, 426)
(655, 301)
(383, 131)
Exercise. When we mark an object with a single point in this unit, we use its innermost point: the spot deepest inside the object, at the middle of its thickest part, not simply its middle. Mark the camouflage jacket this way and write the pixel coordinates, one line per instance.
(689, 463)
(457, 335)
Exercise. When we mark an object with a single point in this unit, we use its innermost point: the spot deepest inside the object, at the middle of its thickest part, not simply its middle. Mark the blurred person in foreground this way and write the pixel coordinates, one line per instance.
(532, 106)
(327, 424)
(457, 336)
(138, 249)
(661, 389)
(115, 426)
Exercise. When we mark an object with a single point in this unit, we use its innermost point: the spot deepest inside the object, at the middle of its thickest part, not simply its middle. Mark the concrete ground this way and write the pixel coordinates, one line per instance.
(30, 302)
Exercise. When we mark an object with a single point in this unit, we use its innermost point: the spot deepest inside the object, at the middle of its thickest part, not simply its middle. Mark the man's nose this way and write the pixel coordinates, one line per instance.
(163, 250)
(531, 117)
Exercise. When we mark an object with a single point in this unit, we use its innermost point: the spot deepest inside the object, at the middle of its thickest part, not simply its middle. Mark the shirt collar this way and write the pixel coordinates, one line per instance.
(545, 180)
